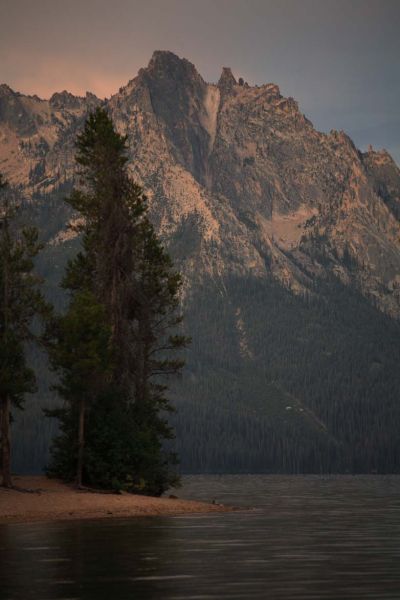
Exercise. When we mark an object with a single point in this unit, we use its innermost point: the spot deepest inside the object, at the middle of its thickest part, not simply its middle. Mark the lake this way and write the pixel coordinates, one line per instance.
(306, 537)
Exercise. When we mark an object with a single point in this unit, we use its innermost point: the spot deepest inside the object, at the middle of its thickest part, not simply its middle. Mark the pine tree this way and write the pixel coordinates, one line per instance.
(80, 352)
(20, 302)
(125, 268)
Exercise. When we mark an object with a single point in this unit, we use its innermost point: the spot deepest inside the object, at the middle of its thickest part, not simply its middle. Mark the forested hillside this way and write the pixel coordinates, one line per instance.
(310, 384)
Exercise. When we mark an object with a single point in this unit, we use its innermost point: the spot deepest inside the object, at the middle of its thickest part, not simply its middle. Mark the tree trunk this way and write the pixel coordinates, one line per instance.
(5, 442)
(5, 398)
(1, 445)
(81, 442)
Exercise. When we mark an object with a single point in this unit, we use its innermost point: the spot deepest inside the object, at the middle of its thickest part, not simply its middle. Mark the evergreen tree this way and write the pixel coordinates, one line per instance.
(80, 352)
(125, 268)
(20, 302)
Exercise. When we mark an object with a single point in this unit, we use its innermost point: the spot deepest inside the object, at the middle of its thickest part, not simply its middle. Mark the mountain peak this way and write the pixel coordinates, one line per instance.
(165, 63)
(64, 99)
(5, 90)
(227, 80)
(164, 56)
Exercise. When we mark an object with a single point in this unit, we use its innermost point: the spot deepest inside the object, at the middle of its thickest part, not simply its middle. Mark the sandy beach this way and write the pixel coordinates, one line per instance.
(53, 500)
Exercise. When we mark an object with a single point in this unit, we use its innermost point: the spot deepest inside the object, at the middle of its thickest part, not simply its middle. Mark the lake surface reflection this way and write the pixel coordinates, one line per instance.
(308, 538)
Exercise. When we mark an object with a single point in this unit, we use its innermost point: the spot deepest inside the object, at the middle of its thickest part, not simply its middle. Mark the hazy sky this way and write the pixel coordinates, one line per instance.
(338, 58)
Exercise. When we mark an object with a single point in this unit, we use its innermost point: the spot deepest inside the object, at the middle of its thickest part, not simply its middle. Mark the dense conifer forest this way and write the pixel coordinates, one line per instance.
(317, 392)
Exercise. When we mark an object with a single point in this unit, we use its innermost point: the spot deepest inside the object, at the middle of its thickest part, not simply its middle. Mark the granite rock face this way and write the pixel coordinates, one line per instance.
(236, 172)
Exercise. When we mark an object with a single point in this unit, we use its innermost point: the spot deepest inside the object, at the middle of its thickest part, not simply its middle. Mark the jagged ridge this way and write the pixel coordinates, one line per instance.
(268, 193)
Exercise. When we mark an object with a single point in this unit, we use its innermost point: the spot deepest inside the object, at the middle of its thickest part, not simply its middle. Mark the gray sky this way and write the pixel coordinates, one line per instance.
(338, 58)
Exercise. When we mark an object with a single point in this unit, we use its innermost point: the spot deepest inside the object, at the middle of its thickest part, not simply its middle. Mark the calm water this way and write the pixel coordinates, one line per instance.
(309, 538)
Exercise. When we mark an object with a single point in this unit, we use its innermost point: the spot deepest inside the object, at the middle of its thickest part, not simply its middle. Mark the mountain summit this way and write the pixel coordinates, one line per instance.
(266, 217)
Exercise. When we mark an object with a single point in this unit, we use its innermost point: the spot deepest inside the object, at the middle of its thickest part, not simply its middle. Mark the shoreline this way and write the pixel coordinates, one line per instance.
(53, 500)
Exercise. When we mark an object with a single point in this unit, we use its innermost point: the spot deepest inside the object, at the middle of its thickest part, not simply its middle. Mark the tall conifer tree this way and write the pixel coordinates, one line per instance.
(20, 301)
(79, 350)
(125, 268)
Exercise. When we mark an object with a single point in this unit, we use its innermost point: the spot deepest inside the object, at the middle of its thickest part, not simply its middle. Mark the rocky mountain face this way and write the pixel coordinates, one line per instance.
(237, 169)
(247, 195)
